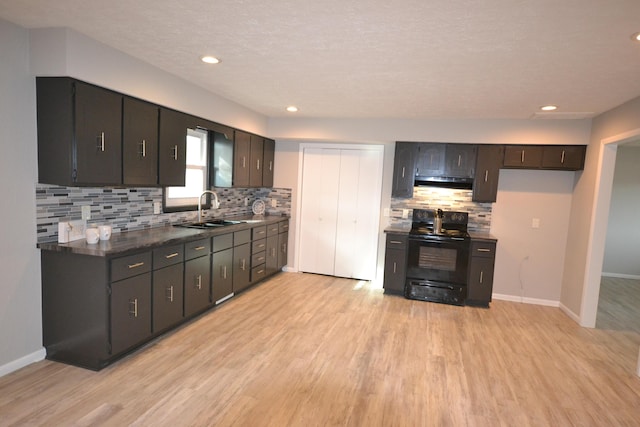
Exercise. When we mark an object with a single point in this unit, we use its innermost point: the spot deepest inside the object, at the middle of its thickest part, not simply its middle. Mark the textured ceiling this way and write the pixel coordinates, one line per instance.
(375, 58)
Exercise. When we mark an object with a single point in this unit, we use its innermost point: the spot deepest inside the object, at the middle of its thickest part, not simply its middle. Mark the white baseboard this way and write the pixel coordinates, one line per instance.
(36, 356)
(621, 276)
(570, 313)
(526, 300)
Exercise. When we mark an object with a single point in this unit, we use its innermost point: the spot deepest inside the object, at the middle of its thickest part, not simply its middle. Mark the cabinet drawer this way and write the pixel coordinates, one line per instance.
(397, 241)
(283, 226)
(197, 248)
(129, 266)
(258, 272)
(168, 255)
(258, 246)
(483, 249)
(223, 242)
(241, 237)
(272, 229)
(259, 258)
(259, 232)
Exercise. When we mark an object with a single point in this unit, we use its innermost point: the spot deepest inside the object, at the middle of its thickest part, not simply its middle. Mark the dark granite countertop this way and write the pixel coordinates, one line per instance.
(134, 241)
(400, 229)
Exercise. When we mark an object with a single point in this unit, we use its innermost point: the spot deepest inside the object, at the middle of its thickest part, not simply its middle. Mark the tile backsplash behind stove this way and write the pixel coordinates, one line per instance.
(446, 199)
(127, 209)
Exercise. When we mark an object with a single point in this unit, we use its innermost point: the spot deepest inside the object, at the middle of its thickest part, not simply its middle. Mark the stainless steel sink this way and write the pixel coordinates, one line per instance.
(214, 223)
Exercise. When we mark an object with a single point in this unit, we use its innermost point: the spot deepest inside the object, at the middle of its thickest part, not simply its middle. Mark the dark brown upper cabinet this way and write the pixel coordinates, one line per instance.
(404, 169)
(268, 162)
(522, 156)
(241, 159)
(488, 164)
(79, 133)
(563, 157)
(256, 161)
(172, 147)
(460, 160)
(139, 143)
(430, 161)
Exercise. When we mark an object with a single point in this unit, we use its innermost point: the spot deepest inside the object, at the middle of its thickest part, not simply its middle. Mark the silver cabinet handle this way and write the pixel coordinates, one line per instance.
(394, 267)
(484, 250)
(273, 252)
(175, 152)
(224, 271)
(261, 245)
(486, 175)
(403, 171)
(143, 148)
(260, 271)
(134, 312)
(522, 156)
(260, 259)
(284, 248)
(100, 139)
(244, 162)
(199, 281)
(170, 292)
(562, 157)
(459, 159)
(258, 165)
(198, 248)
(481, 275)
(395, 242)
(173, 255)
(270, 166)
(243, 264)
(136, 265)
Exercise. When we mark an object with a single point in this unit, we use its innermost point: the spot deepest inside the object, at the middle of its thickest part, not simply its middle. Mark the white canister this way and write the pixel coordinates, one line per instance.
(105, 232)
(92, 234)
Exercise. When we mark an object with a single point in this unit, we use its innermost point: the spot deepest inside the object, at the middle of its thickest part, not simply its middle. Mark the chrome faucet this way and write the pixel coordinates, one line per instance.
(215, 203)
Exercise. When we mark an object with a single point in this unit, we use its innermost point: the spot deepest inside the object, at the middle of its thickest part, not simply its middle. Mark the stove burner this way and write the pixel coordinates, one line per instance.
(423, 230)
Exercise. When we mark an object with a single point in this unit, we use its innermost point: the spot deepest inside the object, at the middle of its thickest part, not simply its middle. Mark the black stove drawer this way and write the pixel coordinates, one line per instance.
(435, 292)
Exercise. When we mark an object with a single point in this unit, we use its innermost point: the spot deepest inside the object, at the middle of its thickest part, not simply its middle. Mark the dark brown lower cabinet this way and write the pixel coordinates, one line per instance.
(283, 252)
(241, 267)
(197, 285)
(481, 266)
(395, 263)
(130, 312)
(222, 274)
(168, 289)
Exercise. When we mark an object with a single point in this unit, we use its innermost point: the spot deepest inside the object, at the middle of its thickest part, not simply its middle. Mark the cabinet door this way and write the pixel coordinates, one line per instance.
(241, 266)
(222, 274)
(130, 312)
(404, 169)
(522, 156)
(283, 253)
(168, 287)
(98, 129)
(272, 255)
(267, 170)
(460, 160)
(241, 160)
(197, 285)
(485, 183)
(563, 157)
(395, 264)
(139, 143)
(222, 157)
(172, 148)
(256, 156)
(480, 280)
(430, 160)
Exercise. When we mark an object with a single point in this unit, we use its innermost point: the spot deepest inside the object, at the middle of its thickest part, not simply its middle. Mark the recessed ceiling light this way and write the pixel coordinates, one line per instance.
(548, 108)
(292, 109)
(210, 59)
(636, 37)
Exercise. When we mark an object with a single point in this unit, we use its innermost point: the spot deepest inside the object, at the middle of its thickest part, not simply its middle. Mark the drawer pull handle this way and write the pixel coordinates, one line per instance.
(260, 259)
(243, 264)
(175, 254)
(136, 265)
(562, 158)
(143, 148)
(260, 271)
(395, 242)
(484, 250)
(134, 312)
(522, 156)
(170, 292)
(199, 281)
(261, 246)
(198, 248)
(100, 139)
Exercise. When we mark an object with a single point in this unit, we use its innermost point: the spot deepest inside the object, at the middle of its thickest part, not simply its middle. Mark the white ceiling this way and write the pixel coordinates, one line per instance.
(375, 58)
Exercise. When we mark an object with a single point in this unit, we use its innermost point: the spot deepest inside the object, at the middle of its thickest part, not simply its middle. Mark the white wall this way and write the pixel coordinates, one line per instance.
(530, 261)
(545, 266)
(20, 306)
(622, 245)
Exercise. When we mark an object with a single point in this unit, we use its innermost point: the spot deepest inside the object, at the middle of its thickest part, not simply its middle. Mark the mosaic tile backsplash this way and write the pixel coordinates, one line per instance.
(445, 199)
(127, 209)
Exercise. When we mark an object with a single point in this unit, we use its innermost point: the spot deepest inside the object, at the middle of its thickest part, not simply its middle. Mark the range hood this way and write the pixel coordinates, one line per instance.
(444, 182)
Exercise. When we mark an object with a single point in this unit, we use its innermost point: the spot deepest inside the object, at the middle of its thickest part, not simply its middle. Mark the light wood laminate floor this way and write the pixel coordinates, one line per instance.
(309, 350)
(619, 304)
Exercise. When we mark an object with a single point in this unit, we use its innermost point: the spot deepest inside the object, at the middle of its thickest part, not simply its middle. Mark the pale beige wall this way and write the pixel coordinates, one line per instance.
(581, 245)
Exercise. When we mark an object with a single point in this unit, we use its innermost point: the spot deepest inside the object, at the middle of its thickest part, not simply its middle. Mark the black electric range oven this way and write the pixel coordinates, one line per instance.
(438, 259)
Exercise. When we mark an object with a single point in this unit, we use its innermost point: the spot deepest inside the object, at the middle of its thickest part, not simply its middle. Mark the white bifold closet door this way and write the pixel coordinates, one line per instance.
(340, 212)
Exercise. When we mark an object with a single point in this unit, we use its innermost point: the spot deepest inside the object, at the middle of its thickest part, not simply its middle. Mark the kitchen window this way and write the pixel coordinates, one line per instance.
(196, 178)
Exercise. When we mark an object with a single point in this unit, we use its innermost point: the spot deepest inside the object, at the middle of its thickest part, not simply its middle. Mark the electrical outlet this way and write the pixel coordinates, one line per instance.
(387, 212)
(274, 203)
(246, 201)
(86, 212)
(157, 208)
(405, 213)
(535, 223)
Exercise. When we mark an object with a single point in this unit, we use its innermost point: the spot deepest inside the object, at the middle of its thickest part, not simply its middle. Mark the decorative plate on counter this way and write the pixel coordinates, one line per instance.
(258, 207)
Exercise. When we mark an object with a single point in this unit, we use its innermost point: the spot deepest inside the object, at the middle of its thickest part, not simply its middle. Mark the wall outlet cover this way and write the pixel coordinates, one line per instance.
(86, 212)
(68, 231)
(157, 208)
(274, 203)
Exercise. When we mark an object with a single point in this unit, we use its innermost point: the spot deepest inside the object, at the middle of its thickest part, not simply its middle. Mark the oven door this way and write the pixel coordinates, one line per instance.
(443, 260)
